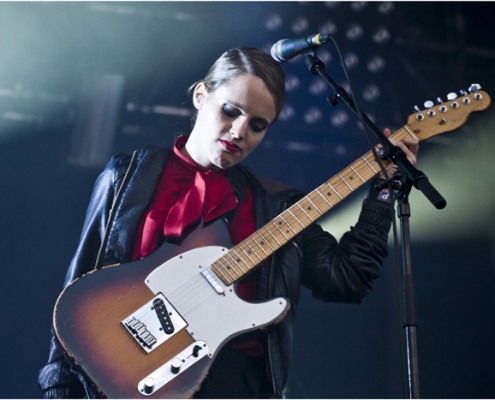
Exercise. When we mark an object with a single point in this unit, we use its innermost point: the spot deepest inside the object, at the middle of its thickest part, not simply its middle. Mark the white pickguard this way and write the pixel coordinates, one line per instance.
(210, 316)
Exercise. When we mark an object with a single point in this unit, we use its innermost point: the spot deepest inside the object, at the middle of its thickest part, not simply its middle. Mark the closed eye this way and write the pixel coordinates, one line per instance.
(230, 111)
(258, 124)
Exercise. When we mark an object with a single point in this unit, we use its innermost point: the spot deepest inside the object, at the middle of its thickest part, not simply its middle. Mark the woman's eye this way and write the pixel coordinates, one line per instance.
(230, 111)
(258, 127)
(256, 124)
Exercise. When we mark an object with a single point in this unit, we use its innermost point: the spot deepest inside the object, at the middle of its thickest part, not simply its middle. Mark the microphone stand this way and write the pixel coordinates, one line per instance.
(408, 296)
(421, 182)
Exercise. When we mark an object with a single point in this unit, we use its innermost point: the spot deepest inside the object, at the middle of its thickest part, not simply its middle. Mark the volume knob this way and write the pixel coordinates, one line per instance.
(149, 385)
(175, 365)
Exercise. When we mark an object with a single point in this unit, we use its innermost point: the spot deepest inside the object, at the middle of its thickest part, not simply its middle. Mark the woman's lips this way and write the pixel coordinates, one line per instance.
(230, 147)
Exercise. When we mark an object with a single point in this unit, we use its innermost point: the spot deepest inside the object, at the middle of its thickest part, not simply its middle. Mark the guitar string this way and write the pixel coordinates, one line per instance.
(299, 214)
(341, 185)
(364, 165)
(193, 292)
(178, 298)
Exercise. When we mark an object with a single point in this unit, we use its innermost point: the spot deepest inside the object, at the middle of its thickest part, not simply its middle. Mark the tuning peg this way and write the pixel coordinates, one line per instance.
(419, 116)
(451, 96)
(474, 87)
(462, 92)
(429, 104)
(439, 100)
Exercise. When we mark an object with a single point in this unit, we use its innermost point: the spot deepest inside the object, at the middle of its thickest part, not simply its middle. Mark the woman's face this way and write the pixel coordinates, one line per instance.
(231, 121)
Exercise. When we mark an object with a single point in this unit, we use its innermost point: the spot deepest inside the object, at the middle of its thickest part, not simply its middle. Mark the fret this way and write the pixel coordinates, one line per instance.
(293, 216)
(247, 255)
(251, 249)
(304, 211)
(335, 190)
(324, 198)
(227, 268)
(235, 267)
(314, 205)
(266, 241)
(237, 259)
(260, 246)
(273, 235)
(345, 182)
(357, 174)
(220, 270)
(280, 230)
(369, 165)
(286, 223)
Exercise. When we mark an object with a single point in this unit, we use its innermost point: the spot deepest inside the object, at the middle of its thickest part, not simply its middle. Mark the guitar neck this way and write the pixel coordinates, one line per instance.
(248, 254)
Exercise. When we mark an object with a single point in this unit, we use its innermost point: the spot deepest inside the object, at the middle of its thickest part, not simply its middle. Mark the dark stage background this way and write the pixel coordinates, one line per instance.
(80, 81)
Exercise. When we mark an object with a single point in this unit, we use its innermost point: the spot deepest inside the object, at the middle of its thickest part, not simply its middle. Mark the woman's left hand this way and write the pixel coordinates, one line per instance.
(408, 145)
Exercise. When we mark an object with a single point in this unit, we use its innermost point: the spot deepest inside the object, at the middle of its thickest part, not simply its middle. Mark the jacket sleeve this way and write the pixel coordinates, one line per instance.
(57, 379)
(344, 271)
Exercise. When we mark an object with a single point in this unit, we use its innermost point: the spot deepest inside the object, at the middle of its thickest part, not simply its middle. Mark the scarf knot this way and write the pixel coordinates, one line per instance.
(209, 196)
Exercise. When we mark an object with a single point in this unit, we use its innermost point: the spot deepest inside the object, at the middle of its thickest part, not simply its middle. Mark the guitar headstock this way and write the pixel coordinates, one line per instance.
(447, 116)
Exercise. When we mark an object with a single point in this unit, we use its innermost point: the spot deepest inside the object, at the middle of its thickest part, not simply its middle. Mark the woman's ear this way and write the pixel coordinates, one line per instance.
(199, 95)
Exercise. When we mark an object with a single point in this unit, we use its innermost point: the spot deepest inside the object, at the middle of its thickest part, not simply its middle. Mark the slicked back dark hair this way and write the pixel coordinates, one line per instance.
(246, 60)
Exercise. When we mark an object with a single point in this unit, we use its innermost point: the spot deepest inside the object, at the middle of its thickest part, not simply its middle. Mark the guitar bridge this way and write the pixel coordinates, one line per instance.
(154, 323)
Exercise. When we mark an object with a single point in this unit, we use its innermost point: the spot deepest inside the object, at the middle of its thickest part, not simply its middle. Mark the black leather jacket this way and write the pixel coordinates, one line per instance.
(334, 271)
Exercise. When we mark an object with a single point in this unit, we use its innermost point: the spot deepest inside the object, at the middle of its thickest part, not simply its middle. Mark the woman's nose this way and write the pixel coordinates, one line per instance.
(239, 127)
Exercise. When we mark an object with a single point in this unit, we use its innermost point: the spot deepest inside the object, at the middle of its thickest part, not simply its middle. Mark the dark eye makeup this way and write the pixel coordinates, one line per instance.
(256, 124)
(230, 111)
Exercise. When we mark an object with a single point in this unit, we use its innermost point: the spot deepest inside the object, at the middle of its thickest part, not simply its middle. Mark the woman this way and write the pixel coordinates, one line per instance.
(157, 194)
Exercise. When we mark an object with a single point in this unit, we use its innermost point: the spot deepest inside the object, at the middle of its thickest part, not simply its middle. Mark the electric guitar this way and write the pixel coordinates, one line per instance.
(152, 328)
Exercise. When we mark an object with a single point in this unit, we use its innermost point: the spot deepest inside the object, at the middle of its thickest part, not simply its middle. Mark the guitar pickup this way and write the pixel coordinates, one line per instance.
(163, 316)
(154, 323)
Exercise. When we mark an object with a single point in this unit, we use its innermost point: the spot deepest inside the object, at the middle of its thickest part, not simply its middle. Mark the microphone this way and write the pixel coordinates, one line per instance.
(286, 49)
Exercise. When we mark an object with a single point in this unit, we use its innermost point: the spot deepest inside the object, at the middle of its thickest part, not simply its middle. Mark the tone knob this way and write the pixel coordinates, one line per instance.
(175, 365)
(149, 385)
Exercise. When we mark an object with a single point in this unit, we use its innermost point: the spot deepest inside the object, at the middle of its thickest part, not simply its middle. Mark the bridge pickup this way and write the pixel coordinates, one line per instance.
(154, 323)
